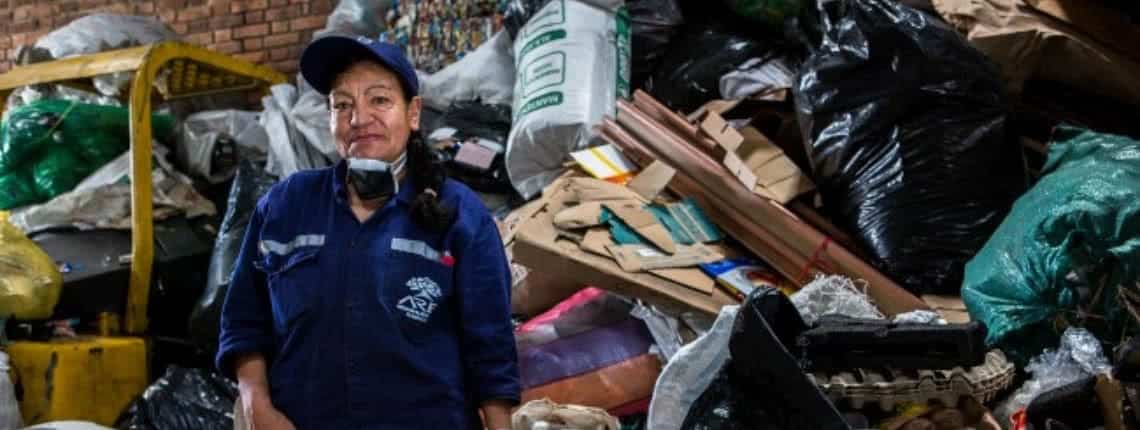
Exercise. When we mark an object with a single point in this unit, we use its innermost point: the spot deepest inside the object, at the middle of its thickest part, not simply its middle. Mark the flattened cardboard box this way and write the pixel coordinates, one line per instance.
(538, 247)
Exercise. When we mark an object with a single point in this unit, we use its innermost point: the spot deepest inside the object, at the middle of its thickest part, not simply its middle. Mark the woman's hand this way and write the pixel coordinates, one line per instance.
(497, 415)
(253, 387)
(261, 415)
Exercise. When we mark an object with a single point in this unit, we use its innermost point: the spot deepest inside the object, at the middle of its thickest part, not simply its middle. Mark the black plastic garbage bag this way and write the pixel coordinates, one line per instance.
(763, 386)
(689, 74)
(183, 399)
(904, 125)
(250, 183)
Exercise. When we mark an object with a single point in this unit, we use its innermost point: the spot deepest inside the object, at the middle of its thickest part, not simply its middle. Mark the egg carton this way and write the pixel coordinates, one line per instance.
(889, 388)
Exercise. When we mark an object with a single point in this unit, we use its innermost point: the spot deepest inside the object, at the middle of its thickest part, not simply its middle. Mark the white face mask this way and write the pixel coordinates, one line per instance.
(374, 179)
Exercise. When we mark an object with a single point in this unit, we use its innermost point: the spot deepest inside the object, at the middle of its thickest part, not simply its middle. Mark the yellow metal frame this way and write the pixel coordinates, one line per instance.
(186, 71)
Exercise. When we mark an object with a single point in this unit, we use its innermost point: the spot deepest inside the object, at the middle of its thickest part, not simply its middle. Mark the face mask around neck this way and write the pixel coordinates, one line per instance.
(376, 179)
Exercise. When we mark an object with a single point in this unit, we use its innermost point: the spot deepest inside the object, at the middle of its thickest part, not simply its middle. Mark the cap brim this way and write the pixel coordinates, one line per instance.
(328, 56)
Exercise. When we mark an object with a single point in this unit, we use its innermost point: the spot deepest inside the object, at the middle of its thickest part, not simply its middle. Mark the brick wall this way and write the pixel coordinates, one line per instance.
(270, 32)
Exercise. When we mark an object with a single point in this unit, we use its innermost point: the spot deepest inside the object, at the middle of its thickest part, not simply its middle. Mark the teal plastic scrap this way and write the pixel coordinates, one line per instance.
(1083, 216)
(684, 220)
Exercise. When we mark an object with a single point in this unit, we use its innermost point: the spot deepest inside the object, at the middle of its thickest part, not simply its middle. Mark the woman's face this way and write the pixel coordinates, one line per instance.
(370, 116)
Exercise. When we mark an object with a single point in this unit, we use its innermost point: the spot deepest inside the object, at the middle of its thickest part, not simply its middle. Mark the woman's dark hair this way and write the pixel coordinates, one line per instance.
(428, 175)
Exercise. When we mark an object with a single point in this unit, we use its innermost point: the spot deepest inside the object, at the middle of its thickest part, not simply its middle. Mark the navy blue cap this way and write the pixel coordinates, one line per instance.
(328, 56)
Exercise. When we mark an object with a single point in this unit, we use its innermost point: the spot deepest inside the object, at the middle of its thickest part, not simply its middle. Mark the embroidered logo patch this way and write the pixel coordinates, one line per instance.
(422, 301)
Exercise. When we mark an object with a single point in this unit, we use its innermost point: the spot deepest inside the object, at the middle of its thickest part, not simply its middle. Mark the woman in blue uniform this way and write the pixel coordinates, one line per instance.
(373, 294)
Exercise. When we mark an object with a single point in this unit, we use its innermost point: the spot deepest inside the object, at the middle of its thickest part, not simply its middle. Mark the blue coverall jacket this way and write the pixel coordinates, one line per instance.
(374, 325)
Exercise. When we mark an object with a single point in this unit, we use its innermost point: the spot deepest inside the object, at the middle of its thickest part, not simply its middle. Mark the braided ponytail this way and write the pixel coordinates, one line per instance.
(428, 175)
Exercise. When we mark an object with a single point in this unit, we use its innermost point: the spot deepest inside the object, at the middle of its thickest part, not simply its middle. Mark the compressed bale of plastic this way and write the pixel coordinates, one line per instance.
(1082, 215)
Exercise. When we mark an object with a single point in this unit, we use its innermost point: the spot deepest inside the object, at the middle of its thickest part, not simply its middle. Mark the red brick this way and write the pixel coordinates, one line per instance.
(281, 40)
(252, 44)
(194, 13)
(146, 8)
(279, 27)
(322, 7)
(200, 39)
(220, 7)
(168, 16)
(255, 17)
(287, 67)
(253, 57)
(172, 5)
(22, 12)
(18, 39)
(23, 26)
(230, 48)
(5, 42)
(69, 5)
(298, 1)
(180, 28)
(309, 23)
(284, 13)
(196, 3)
(247, 5)
(226, 21)
(277, 3)
(224, 35)
(256, 30)
(201, 25)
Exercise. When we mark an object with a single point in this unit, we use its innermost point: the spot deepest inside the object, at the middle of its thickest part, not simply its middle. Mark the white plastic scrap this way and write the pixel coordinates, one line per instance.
(920, 317)
(1079, 355)
(834, 295)
(689, 373)
(663, 328)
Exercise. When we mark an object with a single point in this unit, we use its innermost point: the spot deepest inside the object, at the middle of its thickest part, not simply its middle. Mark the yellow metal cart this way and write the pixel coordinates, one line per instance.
(94, 378)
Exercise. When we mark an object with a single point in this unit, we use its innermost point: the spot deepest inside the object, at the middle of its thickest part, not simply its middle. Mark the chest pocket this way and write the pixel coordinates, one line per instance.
(418, 294)
(293, 280)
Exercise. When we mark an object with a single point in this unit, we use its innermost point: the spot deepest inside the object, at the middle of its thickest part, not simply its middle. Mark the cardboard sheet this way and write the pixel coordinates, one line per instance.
(584, 215)
(561, 268)
(644, 223)
(1029, 43)
(637, 258)
(777, 176)
(597, 239)
(652, 180)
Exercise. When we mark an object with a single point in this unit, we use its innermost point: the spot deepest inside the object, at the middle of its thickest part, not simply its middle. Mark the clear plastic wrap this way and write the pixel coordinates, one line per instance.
(690, 372)
(664, 329)
(1079, 355)
(834, 295)
(486, 74)
(297, 141)
(9, 407)
(103, 32)
(203, 147)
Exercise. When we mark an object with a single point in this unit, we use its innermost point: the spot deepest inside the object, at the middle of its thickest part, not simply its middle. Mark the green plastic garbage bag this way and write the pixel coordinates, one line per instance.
(16, 189)
(54, 144)
(1083, 216)
(58, 171)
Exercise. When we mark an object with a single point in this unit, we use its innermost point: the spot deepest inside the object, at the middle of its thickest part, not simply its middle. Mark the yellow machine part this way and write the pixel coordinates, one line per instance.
(89, 378)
